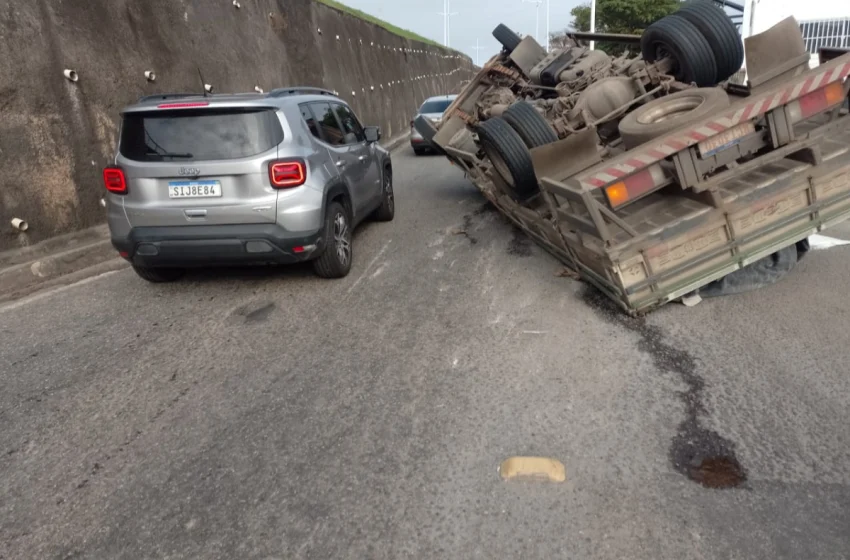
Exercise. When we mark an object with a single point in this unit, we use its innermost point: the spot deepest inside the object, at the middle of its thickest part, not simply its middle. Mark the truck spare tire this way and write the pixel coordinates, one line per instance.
(529, 124)
(678, 38)
(506, 37)
(509, 155)
(713, 23)
(666, 114)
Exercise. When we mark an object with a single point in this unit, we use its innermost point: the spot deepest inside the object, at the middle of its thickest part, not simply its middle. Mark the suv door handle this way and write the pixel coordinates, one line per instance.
(340, 163)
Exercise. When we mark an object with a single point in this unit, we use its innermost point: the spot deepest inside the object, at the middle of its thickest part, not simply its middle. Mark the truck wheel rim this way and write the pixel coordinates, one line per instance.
(670, 109)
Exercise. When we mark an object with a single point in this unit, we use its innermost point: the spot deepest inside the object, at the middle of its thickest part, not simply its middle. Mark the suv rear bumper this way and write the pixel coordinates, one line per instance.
(193, 246)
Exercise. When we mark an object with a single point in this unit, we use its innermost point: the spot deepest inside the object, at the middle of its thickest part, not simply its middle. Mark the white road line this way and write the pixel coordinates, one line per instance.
(369, 266)
(54, 291)
(823, 242)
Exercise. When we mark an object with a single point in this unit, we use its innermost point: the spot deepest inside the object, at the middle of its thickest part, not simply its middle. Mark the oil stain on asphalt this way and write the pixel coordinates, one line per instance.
(519, 245)
(700, 454)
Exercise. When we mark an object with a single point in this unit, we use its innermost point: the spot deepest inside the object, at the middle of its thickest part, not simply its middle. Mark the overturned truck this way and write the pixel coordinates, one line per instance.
(655, 175)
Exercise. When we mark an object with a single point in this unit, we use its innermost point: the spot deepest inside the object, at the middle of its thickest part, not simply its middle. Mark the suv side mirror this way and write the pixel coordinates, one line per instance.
(373, 133)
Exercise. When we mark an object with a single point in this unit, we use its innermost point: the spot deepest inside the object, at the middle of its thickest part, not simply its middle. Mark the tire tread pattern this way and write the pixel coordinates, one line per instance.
(496, 134)
(690, 49)
(506, 37)
(713, 23)
(529, 124)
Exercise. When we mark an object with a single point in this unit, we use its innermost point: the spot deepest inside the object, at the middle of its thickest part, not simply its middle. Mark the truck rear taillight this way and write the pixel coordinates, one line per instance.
(635, 186)
(286, 174)
(114, 180)
(816, 102)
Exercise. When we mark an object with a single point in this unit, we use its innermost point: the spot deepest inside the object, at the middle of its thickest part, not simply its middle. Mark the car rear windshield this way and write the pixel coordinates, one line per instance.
(193, 135)
(435, 106)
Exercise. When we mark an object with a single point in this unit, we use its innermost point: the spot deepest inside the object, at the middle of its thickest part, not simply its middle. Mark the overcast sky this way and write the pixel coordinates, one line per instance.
(475, 19)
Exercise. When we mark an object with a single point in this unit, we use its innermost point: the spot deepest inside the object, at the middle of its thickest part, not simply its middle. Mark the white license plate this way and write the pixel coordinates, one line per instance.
(726, 139)
(193, 189)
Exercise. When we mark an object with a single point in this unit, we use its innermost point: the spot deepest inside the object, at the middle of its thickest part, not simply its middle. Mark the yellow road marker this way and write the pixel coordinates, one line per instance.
(535, 468)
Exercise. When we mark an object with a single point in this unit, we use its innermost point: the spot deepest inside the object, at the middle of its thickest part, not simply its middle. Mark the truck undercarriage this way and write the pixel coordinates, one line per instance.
(653, 175)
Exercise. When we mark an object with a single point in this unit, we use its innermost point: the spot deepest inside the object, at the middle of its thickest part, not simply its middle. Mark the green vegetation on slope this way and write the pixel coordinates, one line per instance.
(379, 22)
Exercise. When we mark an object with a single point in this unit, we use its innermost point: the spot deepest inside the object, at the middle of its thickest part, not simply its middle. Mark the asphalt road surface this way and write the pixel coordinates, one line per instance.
(270, 414)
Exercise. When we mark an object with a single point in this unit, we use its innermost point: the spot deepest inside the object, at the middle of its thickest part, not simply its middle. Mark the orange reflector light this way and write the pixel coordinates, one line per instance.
(816, 102)
(636, 185)
(834, 93)
(617, 194)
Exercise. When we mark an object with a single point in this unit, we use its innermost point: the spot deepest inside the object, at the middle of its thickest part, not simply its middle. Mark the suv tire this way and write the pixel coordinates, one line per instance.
(159, 275)
(713, 23)
(509, 155)
(386, 211)
(529, 124)
(335, 260)
(677, 37)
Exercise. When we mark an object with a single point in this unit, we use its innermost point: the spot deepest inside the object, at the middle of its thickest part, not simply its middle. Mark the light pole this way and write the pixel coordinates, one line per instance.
(537, 25)
(447, 26)
(592, 21)
(548, 31)
(477, 50)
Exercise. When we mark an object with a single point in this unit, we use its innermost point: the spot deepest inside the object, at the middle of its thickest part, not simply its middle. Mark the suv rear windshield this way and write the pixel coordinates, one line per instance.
(435, 106)
(206, 134)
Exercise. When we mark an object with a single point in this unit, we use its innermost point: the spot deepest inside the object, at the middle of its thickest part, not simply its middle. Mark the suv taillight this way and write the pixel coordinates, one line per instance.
(114, 181)
(285, 174)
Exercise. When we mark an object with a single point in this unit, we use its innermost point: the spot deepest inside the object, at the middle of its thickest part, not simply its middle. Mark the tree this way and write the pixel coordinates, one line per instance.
(618, 16)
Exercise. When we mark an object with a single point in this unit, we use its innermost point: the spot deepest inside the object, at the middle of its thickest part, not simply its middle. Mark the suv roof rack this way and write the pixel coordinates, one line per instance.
(163, 96)
(282, 92)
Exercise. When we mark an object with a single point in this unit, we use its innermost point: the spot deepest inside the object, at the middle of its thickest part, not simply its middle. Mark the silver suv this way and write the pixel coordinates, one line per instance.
(281, 177)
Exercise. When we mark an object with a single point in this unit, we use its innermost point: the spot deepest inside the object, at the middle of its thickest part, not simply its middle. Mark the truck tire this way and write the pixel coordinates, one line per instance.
(506, 37)
(678, 38)
(509, 155)
(529, 124)
(713, 24)
(666, 114)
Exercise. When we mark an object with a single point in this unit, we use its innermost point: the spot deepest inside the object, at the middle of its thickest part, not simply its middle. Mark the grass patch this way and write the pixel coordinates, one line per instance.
(379, 22)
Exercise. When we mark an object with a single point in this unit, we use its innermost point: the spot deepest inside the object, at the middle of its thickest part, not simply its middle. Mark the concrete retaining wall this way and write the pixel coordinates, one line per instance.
(56, 135)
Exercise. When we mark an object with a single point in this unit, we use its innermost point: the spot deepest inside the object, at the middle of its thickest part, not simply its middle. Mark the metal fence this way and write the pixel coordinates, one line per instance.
(833, 32)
